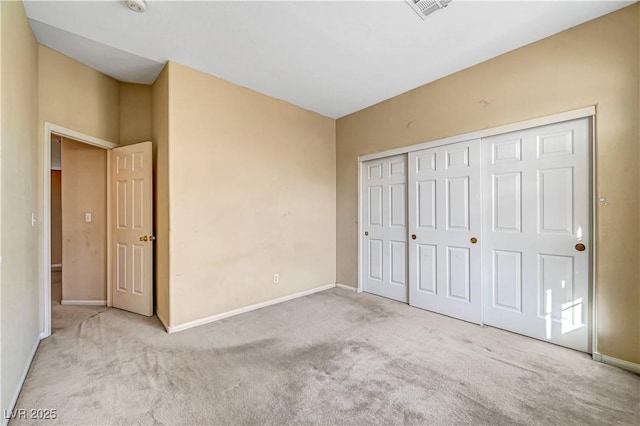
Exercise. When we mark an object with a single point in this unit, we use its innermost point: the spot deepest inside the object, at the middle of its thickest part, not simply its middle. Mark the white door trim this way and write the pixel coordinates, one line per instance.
(49, 129)
(360, 286)
(589, 111)
(594, 233)
(521, 125)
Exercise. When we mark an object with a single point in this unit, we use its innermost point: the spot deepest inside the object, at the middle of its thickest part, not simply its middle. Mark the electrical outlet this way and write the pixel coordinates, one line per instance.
(276, 278)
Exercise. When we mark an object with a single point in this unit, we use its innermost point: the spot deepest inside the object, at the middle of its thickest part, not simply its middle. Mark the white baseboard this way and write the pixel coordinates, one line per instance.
(56, 267)
(218, 317)
(164, 322)
(620, 363)
(83, 302)
(12, 404)
(346, 287)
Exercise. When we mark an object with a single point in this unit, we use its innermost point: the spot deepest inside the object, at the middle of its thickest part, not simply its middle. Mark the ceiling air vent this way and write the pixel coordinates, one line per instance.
(427, 7)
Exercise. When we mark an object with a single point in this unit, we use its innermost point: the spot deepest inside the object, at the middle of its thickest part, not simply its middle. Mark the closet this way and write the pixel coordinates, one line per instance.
(492, 230)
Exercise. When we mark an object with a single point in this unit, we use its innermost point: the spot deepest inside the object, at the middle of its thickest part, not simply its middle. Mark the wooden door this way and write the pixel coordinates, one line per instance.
(444, 223)
(537, 243)
(384, 242)
(132, 228)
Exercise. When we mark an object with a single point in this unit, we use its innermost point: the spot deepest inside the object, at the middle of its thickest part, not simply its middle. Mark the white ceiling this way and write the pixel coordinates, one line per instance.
(334, 58)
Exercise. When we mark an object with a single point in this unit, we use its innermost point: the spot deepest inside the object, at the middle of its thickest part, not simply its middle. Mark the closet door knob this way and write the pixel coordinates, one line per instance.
(581, 247)
(366, 233)
(413, 236)
(473, 240)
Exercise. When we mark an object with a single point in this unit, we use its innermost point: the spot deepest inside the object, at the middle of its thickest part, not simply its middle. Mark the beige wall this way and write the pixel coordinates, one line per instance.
(593, 64)
(252, 189)
(77, 97)
(160, 139)
(84, 189)
(135, 113)
(56, 217)
(80, 98)
(20, 306)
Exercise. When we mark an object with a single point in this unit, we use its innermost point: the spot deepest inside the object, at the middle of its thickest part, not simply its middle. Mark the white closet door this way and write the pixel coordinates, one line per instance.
(536, 217)
(384, 243)
(444, 220)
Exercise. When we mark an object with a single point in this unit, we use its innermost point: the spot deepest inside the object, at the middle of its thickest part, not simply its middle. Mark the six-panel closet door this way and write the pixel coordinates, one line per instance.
(384, 215)
(493, 231)
(536, 247)
(444, 223)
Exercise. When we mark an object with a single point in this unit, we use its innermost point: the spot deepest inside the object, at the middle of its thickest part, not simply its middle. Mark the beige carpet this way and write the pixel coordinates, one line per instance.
(332, 358)
(66, 316)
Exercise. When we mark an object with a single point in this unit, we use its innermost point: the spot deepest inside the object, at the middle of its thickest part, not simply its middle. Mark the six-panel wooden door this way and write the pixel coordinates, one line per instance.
(444, 223)
(132, 213)
(384, 239)
(537, 227)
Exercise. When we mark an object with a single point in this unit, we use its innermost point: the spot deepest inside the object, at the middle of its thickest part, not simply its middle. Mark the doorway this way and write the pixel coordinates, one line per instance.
(78, 231)
(127, 239)
(75, 254)
(54, 132)
(56, 219)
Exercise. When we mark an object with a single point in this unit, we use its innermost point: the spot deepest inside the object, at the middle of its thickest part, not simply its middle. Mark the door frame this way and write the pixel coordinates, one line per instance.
(51, 129)
(586, 112)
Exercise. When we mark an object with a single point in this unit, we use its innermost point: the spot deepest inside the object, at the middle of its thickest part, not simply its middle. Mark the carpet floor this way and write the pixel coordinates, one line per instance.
(334, 357)
(66, 316)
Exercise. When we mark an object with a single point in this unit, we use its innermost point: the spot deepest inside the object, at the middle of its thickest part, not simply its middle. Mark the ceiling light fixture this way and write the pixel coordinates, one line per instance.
(137, 5)
(427, 7)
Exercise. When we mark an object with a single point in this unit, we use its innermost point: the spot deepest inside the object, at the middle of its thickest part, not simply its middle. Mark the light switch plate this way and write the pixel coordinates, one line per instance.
(87, 217)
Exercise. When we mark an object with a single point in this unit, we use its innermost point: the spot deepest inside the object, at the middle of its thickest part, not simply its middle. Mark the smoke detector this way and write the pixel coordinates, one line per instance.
(136, 5)
(427, 7)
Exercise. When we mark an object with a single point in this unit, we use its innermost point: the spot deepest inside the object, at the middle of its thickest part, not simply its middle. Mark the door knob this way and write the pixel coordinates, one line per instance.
(145, 238)
(413, 236)
(473, 240)
(366, 233)
(580, 247)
